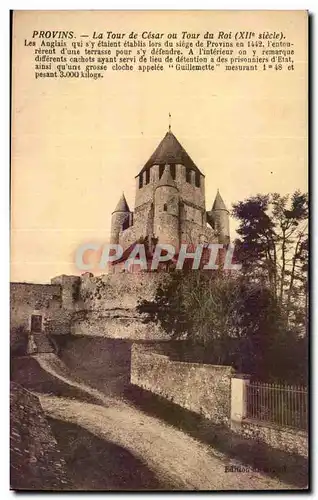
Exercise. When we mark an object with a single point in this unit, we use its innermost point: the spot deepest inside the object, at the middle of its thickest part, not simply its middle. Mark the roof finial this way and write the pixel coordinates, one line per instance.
(169, 122)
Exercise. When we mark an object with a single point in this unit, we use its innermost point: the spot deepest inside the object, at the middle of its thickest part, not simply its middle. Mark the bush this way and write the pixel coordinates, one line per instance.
(228, 320)
(18, 341)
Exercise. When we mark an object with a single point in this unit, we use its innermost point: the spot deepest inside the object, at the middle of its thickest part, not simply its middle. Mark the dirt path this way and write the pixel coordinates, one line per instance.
(55, 367)
(173, 456)
(120, 446)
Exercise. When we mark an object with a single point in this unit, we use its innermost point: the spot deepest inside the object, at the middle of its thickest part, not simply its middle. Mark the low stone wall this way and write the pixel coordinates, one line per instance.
(204, 389)
(287, 439)
(281, 438)
(214, 392)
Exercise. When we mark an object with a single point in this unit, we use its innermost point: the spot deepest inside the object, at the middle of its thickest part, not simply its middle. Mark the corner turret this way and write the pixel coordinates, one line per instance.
(121, 218)
(219, 218)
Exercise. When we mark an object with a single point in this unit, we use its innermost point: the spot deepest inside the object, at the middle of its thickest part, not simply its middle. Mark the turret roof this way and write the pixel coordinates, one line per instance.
(218, 202)
(170, 151)
(122, 205)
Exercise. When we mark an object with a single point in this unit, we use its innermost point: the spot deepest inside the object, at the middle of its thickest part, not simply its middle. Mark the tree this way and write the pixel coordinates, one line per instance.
(273, 248)
(222, 319)
(251, 320)
(214, 317)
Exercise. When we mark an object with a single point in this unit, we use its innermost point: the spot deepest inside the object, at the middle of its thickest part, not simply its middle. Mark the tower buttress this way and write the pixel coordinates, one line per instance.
(166, 210)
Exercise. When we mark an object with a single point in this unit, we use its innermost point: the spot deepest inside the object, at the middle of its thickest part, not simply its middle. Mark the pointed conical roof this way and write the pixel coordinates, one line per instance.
(218, 202)
(170, 151)
(166, 178)
(122, 205)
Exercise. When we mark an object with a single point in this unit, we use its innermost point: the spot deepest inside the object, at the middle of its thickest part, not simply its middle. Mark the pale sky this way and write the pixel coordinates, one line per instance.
(77, 144)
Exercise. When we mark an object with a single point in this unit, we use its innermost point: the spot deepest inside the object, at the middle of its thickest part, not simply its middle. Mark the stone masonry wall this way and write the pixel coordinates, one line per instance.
(107, 306)
(51, 301)
(204, 389)
(111, 291)
(116, 323)
(281, 438)
(25, 298)
(87, 305)
(35, 460)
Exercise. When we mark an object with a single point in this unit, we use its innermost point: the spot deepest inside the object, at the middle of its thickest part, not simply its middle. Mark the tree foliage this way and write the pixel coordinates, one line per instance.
(254, 320)
(224, 319)
(273, 248)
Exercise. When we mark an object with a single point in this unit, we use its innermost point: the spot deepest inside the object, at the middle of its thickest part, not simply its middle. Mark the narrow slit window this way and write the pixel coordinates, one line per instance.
(147, 176)
(188, 175)
(161, 170)
(140, 181)
(197, 179)
(173, 171)
(165, 207)
(125, 224)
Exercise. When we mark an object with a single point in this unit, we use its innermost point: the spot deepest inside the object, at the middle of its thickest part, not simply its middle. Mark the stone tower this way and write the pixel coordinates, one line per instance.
(170, 203)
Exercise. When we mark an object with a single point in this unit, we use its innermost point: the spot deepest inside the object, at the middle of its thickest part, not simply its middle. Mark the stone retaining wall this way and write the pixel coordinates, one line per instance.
(204, 389)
